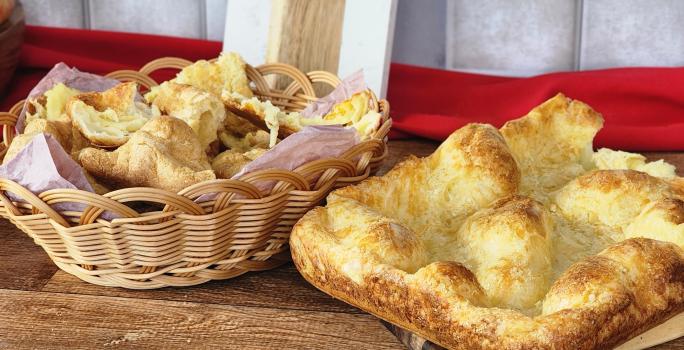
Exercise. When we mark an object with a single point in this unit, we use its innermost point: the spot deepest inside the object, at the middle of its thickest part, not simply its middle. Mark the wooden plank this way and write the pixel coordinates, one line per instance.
(39, 320)
(23, 264)
(672, 329)
(281, 288)
(306, 34)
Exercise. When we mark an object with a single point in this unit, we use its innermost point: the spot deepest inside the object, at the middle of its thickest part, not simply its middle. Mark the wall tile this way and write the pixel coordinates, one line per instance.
(216, 19)
(163, 17)
(64, 13)
(420, 33)
(632, 33)
(514, 37)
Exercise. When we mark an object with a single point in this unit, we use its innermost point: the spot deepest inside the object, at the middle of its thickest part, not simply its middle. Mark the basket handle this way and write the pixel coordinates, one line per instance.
(164, 63)
(170, 200)
(225, 190)
(8, 120)
(11, 186)
(133, 75)
(284, 178)
(94, 204)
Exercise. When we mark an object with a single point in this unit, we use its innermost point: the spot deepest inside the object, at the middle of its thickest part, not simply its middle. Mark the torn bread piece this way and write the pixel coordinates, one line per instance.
(108, 118)
(226, 74)
(51, 105)
(60, 130)
(243, 143)
(353, 112)
(165, 154)
(606, 158)
(202, 111)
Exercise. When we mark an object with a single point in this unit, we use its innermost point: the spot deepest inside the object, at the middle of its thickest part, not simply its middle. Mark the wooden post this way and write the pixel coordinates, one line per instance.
(306, 34)
(339, 36)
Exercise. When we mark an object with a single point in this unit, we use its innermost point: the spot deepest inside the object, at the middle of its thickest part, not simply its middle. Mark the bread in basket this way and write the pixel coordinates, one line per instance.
(241, 228)
(518, 238)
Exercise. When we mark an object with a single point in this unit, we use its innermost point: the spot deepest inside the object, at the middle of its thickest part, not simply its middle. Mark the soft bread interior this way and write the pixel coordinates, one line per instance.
(108, 118)
(203, 111)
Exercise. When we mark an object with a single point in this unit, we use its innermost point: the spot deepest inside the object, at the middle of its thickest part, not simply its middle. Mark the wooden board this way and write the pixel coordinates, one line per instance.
(65, 321)
(305, 34)
(356, 34)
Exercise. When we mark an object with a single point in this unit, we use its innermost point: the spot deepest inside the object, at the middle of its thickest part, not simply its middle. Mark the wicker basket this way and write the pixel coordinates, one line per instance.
(186, 243)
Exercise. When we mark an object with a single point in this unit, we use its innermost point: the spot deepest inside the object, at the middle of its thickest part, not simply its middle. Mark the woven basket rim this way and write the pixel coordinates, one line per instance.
(300, 90)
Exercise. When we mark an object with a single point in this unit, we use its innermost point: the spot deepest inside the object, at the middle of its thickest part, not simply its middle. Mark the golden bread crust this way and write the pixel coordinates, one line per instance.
(108, 118)
(165, 154)
(201, 110)
(498, 242)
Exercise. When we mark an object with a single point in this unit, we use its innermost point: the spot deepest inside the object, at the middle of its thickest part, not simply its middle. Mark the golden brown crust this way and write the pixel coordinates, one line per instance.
(476, 154)
(60, 130)
(552, 143)
(463, 249)
(165, 154)
(201, 110)
(388, 295)
(113, 129)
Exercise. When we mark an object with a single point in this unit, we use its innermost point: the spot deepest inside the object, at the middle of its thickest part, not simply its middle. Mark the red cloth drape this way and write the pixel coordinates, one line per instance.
(643, 107)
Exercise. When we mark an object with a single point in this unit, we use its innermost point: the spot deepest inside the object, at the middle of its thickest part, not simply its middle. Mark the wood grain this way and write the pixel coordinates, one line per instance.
(23, 264)
(64, 321)
(306, 34)
(672, 329)
(281, 288)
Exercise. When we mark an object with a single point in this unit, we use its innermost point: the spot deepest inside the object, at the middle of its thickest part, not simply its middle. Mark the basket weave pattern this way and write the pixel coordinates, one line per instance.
(184, 243)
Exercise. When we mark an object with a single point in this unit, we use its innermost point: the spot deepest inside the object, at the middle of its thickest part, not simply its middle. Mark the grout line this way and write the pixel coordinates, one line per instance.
(203, 19)
(86, 14)
(448, 36)
(579, 28)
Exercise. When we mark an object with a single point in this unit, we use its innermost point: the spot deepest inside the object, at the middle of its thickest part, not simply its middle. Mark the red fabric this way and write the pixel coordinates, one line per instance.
(95, 52)
(643, 107)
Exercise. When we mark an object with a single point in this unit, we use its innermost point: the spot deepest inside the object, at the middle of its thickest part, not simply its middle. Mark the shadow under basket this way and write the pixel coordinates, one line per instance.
(181, 242)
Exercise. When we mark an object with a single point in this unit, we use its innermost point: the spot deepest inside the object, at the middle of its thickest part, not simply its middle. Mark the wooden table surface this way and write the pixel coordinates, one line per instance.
(45, 308)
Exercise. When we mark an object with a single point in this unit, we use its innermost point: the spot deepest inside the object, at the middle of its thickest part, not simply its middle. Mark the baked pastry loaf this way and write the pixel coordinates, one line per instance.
(47, 114)
(108, 118)
(203, 111)
(506, 239)
(165, 154)
(355, 112)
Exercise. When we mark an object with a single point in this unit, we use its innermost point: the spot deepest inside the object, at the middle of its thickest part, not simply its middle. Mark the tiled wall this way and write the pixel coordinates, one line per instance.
(203, 19)
(511, 37)
(522, 37)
